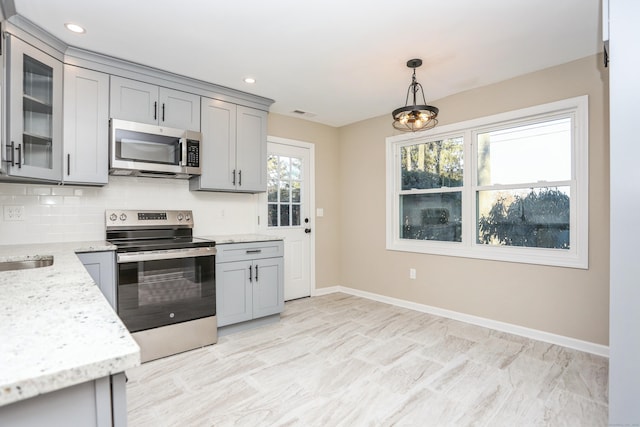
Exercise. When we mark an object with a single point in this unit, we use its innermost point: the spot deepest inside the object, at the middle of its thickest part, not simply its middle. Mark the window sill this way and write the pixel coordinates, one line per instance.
(550, 257)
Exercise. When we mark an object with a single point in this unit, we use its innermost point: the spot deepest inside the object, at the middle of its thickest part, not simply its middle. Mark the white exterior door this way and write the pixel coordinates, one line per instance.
(285, 211)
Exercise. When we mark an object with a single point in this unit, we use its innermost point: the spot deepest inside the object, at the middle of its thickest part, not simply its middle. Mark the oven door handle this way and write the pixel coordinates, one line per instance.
(168, 254)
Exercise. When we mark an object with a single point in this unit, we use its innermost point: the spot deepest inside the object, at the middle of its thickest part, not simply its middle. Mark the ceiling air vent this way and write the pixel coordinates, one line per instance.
(303, 113)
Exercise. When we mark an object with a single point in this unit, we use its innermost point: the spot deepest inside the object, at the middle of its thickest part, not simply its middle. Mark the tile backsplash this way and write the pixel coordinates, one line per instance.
(57, 213)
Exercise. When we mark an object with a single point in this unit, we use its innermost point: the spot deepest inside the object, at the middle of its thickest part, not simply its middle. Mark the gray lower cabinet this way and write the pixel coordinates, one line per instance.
(97, 403)
(102, 269)
(249, 281)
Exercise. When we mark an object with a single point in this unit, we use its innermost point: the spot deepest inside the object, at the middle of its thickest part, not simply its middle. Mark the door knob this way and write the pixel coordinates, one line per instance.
(307, 230)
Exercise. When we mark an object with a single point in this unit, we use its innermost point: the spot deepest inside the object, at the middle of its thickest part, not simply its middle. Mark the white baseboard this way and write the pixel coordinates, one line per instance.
(586, 346)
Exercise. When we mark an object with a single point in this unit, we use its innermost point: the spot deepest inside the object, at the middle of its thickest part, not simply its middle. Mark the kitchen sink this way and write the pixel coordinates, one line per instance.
(27, 262)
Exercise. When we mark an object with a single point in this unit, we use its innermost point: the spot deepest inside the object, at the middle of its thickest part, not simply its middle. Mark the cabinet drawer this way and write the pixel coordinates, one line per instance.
(245, 251)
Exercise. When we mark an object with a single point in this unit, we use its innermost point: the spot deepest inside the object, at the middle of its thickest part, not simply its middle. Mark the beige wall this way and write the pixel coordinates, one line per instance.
(564, 301)
(327, 177)
(350, 238)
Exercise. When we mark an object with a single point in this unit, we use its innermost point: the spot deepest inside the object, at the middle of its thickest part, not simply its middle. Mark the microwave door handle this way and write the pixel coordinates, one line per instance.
(183, 151)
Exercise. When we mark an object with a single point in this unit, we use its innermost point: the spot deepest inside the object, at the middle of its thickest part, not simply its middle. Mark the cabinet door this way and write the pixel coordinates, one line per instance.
(233, 292)
(268, 287)
(179, 110)
(134, 101)
(101, 266)
(251, 156)
(86, 126)
(218, 156)
(35, 114)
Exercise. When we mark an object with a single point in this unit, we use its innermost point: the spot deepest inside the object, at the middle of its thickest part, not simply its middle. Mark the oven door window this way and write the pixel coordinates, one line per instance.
(159, 293)
(147, 148)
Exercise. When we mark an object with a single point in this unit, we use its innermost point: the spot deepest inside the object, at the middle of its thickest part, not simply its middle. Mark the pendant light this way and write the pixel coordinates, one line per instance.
(414, 117)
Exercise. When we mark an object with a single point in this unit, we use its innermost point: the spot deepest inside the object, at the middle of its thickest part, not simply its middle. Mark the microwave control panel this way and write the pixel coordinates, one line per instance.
(193, 153)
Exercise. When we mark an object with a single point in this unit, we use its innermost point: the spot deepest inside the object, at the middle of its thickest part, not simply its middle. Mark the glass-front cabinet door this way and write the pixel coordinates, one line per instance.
(34, 146)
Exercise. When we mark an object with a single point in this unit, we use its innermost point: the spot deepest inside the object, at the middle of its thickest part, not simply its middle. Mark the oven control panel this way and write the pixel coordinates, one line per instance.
(148, 218)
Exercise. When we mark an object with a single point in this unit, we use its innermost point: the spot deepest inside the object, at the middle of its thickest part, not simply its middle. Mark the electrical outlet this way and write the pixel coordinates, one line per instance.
(412, 273)
(14, 213)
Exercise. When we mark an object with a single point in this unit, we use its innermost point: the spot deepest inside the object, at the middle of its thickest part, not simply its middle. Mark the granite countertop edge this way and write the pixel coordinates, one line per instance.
(223, 239)
(57, 328)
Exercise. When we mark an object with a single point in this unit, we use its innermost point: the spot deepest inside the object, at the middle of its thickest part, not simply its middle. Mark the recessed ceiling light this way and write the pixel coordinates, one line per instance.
(74, 28)
(249, 80)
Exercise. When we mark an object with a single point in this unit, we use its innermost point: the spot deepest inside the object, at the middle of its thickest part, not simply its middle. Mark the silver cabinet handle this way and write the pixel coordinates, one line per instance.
(68, 164)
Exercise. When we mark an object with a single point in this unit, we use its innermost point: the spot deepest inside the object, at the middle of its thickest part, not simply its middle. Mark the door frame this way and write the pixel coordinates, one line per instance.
(311, 191)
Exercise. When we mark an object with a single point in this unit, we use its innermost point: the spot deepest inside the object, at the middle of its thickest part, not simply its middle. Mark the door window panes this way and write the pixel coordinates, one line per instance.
(284, 196)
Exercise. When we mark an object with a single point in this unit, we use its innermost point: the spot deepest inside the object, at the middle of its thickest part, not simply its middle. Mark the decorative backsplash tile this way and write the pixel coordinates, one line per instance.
(67, 213)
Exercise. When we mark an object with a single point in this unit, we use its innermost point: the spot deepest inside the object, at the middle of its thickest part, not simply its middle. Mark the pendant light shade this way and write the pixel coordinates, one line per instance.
(414, 117)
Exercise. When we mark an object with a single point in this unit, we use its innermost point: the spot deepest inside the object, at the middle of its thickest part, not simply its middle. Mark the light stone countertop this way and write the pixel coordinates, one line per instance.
(222, 239)
(56, 327)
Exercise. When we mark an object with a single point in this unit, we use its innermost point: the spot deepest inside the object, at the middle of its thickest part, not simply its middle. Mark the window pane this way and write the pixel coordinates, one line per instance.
(296, 167)
(284, 215)
(525, 154)
(272, 167)
(272, 191)
(284, 168)
(284, 191)
(273, 215)
(432, 164)
(431, 216)
(536, 218)
(295, 214)
(295, 191)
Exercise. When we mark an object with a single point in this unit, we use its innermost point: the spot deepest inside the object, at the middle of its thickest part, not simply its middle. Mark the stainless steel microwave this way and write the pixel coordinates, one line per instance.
(140, 149)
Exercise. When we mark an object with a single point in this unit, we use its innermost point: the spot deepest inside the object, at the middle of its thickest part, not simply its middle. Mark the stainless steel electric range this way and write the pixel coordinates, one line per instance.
(166, 289)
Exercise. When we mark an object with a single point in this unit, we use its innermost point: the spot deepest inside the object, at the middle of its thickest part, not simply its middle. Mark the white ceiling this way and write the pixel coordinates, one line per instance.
(342, 60)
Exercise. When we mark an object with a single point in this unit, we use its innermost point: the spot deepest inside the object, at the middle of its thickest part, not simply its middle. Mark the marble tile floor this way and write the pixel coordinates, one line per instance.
(340, 360)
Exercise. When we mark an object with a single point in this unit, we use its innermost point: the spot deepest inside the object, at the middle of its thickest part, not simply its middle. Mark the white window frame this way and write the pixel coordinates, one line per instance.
(577, 256)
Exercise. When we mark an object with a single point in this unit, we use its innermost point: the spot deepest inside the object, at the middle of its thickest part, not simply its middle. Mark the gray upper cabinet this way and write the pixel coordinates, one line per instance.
(34, 83)
(178, 109)
(234, 152)
(147, 103)
(86, 126)
(251, 149)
